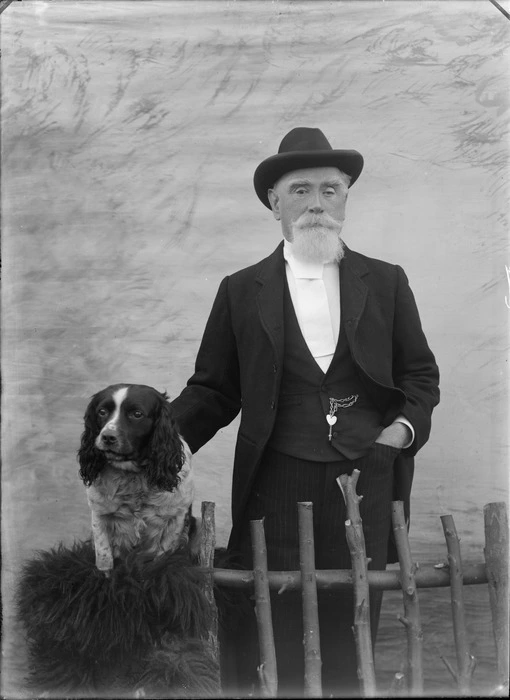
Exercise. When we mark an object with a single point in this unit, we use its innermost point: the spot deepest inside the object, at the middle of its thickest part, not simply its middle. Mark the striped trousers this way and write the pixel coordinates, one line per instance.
(283, 481)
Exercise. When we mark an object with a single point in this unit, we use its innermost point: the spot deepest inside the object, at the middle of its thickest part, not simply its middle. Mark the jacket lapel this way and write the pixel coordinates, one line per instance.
(353, 292)
(271, 279)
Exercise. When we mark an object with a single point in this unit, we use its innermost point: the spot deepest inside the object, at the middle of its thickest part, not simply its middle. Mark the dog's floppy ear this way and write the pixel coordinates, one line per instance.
(91, 460)
(166, 452)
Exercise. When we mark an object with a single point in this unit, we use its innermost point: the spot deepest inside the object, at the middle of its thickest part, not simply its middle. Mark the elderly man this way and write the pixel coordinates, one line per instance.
(323, 351)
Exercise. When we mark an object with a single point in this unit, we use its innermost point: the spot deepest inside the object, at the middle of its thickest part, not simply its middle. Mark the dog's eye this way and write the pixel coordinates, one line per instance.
(137, 414)
(102, 412)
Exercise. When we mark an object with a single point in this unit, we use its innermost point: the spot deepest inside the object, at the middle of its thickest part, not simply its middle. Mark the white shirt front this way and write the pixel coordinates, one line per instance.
(315, 293)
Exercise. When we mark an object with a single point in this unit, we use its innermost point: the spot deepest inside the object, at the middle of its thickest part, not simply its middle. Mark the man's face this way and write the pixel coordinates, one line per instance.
(310, 204)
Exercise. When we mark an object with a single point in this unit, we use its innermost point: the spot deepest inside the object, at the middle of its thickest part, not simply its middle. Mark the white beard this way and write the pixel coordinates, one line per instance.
(317, 239)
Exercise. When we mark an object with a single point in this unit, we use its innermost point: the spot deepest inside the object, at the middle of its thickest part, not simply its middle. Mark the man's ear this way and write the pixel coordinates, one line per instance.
(274, 202)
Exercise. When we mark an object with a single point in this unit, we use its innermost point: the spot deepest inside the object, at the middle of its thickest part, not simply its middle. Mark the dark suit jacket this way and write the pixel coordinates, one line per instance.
(239, 363)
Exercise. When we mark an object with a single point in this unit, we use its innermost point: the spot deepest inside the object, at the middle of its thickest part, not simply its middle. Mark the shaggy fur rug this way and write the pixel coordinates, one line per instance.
(142, 632)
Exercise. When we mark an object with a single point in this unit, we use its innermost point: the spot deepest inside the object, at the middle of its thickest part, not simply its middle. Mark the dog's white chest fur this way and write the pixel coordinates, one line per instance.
(126, 513)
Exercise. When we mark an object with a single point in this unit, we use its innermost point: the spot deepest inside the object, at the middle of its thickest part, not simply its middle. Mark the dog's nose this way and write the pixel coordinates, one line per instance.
(109, 439)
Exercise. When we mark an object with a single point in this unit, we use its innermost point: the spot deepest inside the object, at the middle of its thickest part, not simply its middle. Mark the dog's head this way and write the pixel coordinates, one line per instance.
(130, 426)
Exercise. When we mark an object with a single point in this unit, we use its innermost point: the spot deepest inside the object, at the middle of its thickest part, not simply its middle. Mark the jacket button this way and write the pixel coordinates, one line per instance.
(273, 405)
(275, 369)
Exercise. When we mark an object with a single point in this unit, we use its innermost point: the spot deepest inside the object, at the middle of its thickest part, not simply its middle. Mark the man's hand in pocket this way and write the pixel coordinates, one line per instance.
(396, 435)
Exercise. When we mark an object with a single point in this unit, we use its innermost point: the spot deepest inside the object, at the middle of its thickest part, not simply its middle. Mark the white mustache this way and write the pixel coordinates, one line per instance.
(322, 221)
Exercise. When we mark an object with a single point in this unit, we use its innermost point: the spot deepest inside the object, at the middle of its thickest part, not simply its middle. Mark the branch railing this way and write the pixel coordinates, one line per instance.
(409, 579)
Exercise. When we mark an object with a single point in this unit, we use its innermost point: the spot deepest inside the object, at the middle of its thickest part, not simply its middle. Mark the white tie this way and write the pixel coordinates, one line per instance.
(315, 319)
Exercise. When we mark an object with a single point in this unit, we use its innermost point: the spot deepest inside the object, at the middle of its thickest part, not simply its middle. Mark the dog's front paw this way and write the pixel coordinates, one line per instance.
(105, 564)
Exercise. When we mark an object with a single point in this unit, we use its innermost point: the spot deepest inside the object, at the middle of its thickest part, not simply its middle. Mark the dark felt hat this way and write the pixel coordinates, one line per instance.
(304, 148)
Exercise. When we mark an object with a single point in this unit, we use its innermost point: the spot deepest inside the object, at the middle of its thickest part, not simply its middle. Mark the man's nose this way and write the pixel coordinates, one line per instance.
(315, 204)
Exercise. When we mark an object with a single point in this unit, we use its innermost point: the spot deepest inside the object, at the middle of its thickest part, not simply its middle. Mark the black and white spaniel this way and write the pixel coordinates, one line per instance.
(138, 473)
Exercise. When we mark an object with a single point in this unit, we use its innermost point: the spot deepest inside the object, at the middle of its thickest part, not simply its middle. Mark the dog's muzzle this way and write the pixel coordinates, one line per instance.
(110, 441)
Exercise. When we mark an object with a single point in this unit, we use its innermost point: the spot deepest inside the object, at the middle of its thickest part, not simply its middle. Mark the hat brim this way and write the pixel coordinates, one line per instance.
(272, 169)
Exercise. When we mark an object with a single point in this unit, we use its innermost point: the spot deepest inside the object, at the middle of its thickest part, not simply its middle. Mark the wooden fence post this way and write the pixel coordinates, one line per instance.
(496, 561)
(206, 560)
(411, 619)
(465, 661)
(267, 670)
(356, 542)
(311, 638)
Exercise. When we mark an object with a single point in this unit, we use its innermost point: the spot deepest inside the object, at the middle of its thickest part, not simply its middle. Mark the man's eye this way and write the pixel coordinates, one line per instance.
(300, 190)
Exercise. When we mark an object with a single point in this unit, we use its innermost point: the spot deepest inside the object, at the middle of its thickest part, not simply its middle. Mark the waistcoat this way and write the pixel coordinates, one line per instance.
(306, 393)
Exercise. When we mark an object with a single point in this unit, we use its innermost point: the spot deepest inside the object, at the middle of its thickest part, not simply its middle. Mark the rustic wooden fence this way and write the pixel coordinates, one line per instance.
(409, 578)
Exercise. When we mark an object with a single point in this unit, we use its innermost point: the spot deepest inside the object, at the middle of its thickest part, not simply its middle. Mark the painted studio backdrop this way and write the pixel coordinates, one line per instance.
(130, 134)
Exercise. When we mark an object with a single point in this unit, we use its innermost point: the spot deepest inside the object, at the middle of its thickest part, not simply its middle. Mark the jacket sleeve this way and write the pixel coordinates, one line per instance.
(414, 367)
(212, 397)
